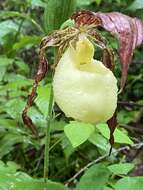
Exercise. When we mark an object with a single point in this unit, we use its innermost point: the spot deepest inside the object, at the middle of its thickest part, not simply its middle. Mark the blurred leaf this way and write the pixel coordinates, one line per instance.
(67, 23)
(38, 185)
(37, 3)
(22, 67)
(9, 140)
(107, 188)
(78, 132)
(7, 14)
(7, 26)
(94, 178)
(137, 4)
(42, 100)
(14, 108)
(100, 141)
(67, 147)
(57, 12)
(2, 72)
(121, 168)
(125, 117)
(4, 61)
(27, 42)
(129, 183)
(120, 136)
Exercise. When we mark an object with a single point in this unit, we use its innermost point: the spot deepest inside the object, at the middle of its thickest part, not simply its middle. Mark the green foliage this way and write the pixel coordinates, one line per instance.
(97, 176)
(121, 168)
(56, 12)
(131, 183)
(78, 133)
(137, 4)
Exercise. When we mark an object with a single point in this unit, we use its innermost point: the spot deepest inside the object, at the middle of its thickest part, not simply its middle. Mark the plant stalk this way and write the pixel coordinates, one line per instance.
(47, 140)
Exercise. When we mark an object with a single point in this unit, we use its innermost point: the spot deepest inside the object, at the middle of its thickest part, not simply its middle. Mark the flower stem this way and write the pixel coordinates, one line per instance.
(47, 140)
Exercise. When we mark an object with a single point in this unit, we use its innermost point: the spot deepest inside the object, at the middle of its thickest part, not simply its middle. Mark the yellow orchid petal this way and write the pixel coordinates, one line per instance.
(84, 88)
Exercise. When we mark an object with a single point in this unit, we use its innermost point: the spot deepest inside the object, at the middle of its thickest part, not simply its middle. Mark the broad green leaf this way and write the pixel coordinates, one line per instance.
(137, 4)
(42, 100)
(94, 178)
(129, 183)
(121, 168)
(120, 136)
(78, 132)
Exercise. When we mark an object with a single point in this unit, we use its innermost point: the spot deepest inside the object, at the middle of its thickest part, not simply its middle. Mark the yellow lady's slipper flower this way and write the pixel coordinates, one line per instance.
(84, 88)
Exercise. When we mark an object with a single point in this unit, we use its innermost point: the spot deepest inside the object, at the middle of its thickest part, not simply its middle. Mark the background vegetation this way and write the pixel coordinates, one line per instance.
(22, 26)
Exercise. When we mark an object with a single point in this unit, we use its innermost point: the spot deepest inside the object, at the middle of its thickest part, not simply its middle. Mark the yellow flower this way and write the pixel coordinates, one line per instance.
(84, 88)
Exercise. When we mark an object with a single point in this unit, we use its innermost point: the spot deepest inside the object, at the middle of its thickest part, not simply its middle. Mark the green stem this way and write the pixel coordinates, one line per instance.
(47, 140)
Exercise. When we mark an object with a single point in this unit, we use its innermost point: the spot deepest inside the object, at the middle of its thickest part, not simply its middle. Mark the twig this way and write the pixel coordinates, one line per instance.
(131, 128)
(137, 146)
(130, 104)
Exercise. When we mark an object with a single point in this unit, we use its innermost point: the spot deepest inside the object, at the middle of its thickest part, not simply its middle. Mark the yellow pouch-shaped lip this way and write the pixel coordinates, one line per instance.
(84, 88)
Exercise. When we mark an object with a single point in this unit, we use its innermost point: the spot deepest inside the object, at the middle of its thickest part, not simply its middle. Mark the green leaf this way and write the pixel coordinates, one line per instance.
(57, 12)
(4, 61)
(100, 141)
(2, 72)
(137, 4)
(94, 178)
(42, 100)
(78, 132)
(14, 108)
(6, 14)
(120, 136)
(7, 26)
(37, 3)
(129, 183)
(121, 168)
(22, 67)
(9, 140)
(27, 42)
(107, 188)
(37, 185)
(67, 23)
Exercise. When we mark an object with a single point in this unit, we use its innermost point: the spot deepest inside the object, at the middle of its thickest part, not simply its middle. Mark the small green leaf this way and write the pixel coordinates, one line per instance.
(121, 168)
(94, 178)
(78, 132)
(67, 23)
(120, 136)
